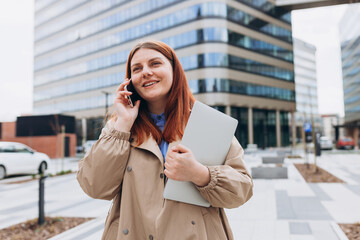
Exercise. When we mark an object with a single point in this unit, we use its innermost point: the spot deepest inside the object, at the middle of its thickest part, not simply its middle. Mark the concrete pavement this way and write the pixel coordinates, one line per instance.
(280, 208)
(293, 209)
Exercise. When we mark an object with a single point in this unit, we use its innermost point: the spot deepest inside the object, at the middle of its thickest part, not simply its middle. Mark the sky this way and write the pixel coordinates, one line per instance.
(318, 26)
(16, 58)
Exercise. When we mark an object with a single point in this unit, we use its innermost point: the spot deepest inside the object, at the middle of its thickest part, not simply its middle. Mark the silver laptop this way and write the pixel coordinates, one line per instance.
(208, 134)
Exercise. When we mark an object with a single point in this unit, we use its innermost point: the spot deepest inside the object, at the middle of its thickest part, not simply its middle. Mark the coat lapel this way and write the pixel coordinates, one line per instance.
(151, 145)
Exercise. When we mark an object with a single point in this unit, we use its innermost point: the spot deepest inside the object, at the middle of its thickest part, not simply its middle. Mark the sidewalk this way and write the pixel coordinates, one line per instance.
(292, 209)
(280, 209)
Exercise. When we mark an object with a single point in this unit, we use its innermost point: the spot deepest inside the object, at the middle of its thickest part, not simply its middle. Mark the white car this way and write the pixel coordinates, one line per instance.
(17, 158)
(326, 143)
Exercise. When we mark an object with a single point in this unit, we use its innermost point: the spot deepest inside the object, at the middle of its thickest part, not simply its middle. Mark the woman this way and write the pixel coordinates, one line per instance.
(139, 148)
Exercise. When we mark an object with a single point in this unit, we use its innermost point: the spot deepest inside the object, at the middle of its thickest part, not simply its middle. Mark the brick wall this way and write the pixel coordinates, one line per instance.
(51, 145)
(8, 129)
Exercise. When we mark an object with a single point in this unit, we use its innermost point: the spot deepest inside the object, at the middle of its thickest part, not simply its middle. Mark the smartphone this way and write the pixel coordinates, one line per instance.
(134, 96)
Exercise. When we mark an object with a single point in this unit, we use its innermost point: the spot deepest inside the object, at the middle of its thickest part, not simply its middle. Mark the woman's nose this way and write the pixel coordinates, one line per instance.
(146, 71)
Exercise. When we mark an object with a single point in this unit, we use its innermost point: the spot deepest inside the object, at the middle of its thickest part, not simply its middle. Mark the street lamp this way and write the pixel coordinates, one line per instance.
(313, 130)
(106, 103)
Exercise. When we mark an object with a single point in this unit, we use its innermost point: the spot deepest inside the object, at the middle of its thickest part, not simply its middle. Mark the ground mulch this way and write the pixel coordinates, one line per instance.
(352, 231)
(30, 230)
(311, 175)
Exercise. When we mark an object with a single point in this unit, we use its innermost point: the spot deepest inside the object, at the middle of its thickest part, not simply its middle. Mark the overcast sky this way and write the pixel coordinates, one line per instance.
(318, 26)
(16, 58)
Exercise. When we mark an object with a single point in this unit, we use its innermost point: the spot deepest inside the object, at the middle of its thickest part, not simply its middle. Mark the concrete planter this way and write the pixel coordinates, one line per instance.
(269, 172)
(273, 160)
(283, 153)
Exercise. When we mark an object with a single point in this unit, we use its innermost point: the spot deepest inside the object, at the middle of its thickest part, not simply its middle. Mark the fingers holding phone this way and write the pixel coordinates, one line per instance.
(134, 97)
(126, 114)
(122, 93)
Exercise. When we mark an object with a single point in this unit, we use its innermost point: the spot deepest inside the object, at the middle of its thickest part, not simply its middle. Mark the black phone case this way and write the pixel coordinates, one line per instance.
(134, 96)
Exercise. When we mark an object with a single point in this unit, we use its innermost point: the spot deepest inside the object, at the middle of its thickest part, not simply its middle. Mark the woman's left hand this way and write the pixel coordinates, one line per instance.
(181, 165)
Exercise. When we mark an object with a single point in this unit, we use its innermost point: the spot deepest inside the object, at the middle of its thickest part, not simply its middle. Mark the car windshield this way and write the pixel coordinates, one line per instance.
(14, 147)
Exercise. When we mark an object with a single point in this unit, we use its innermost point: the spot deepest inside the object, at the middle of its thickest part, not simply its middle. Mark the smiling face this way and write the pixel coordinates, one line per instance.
(152, 76)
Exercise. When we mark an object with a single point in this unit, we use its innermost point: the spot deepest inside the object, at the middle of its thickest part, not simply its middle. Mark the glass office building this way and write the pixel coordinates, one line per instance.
(350, 52)
(237, 55)
(305, 86)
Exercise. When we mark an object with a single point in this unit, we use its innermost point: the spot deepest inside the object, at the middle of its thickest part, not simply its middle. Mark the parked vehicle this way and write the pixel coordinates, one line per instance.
(17, 158)
(326, 143)
(88, 144)
(79, 149)
(345, 143)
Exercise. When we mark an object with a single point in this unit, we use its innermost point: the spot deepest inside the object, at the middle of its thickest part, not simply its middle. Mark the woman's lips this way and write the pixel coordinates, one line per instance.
(150, 83)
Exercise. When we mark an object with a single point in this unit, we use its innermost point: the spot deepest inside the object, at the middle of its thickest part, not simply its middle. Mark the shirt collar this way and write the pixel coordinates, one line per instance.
(157, 118)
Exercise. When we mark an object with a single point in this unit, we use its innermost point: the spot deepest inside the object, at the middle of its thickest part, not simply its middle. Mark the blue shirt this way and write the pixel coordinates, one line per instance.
(160, 121)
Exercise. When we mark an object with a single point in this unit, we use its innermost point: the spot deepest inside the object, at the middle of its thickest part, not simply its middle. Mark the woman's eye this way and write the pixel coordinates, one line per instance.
(135, 69)
(156, 63)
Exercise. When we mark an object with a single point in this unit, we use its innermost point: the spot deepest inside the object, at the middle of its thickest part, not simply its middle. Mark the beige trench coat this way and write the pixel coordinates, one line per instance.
(133, 177)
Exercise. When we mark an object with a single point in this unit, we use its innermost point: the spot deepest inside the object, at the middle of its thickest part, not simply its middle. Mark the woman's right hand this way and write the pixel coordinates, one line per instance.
(126, 114)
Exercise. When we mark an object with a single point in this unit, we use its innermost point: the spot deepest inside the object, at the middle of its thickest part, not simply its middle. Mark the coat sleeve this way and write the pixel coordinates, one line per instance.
(230, 184)
(102, 169)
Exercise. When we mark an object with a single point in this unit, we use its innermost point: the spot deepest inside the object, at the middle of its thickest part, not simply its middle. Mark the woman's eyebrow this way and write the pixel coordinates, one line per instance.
(155, 58)
(152, 59)
(135, 64)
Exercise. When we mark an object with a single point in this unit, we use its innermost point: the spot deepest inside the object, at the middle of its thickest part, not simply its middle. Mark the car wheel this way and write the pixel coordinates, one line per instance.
(42, 167)
(2, 172)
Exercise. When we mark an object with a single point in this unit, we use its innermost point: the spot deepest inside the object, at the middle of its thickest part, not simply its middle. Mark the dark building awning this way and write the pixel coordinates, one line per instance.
(44, 125)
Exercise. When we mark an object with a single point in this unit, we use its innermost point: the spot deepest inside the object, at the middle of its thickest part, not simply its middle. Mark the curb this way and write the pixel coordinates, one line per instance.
(339, 233)
(79, 232)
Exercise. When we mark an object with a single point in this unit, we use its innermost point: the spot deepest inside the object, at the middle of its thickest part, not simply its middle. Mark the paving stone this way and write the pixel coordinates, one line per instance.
(354, 188)
(300, 228)
(323, 230)
(269, 172)
(69, 206)
(89, 232)
(273, 160)
(354, 176)
(283, 205)
(304, 208)
(309, 208)
(319, 192)
(20, 207)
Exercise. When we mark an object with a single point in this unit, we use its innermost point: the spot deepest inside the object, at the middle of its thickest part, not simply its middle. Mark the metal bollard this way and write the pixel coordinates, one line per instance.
(41, 219)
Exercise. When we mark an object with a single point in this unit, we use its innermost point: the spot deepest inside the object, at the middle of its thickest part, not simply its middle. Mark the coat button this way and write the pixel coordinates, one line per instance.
(151, 237)
(193, 222)
(161, 175)
(125, 231)
(128, 168)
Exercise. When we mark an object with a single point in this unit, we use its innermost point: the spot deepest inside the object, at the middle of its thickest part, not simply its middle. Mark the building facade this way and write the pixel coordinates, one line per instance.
(350, 54)
(307, 110)
(53, 135)
(237, 55)
(330, 129)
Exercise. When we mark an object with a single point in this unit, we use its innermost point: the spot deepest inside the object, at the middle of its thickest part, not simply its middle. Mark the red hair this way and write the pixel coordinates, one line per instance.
(177, 109)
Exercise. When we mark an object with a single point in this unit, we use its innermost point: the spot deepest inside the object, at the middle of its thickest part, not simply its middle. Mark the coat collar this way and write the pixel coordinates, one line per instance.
(151, 145)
